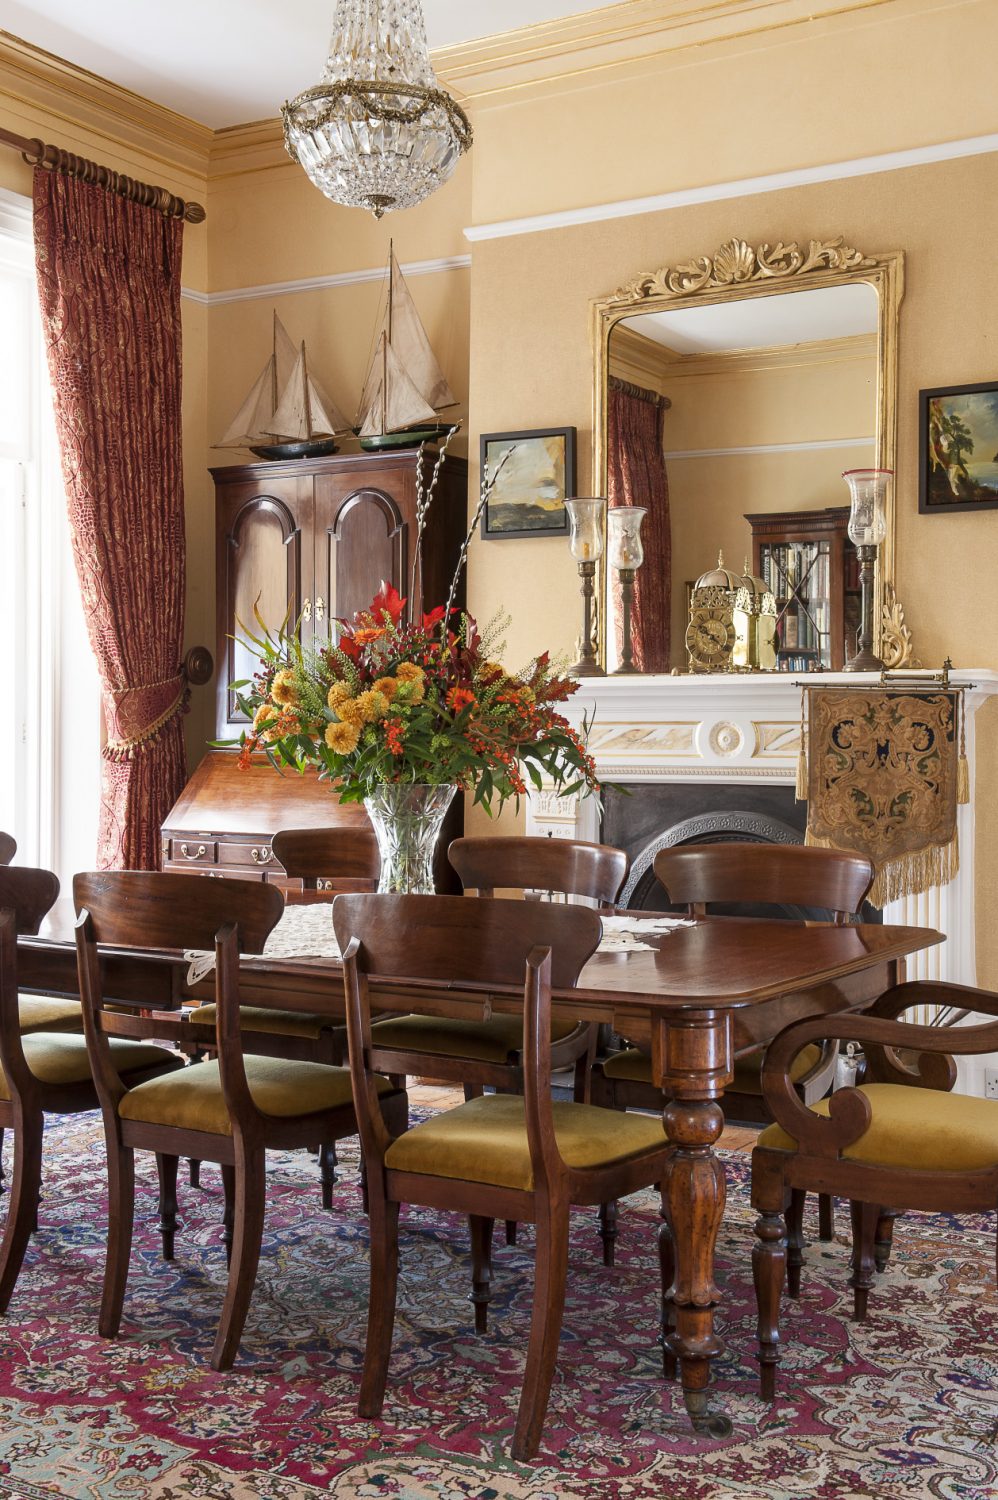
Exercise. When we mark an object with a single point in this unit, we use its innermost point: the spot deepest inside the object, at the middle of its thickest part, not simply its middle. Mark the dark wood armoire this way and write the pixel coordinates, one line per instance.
(309, 539)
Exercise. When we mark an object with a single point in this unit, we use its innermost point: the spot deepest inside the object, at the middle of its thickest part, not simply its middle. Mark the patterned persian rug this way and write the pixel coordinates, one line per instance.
(903, 1406)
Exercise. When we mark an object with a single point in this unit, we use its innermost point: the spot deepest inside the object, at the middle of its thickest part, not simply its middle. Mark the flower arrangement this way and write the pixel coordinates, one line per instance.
(421, 702)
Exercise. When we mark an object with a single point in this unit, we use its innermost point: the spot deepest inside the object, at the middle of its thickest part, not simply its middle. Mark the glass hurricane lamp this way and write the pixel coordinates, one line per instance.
(586, 517)
(377, 132)
(868, 490)
(626, 554)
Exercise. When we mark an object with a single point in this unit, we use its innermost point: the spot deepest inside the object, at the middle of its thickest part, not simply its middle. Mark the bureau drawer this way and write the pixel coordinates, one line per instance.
(192, 851)
(250, 854)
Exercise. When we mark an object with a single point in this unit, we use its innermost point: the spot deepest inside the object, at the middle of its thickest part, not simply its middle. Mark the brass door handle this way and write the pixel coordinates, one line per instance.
(189, 853)
(261, 856)
(306, 612)
(320, 607)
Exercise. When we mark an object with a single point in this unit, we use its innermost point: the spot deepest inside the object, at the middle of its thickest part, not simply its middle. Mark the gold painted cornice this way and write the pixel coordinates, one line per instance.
(66, 93)
(661, 362)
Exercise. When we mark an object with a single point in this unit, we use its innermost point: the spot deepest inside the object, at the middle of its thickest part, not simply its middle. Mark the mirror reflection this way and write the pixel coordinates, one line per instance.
(761, 405)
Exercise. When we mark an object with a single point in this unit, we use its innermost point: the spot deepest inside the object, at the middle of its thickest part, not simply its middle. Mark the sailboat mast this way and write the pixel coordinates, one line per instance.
(391, 287)
(305, 392)
(273, 368)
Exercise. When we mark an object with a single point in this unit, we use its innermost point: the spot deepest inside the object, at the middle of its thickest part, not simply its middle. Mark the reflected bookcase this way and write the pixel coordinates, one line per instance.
(811, 566)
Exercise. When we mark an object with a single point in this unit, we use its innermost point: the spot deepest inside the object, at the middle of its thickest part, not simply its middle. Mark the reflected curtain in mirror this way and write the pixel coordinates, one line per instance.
(109, 287)
(636, 476)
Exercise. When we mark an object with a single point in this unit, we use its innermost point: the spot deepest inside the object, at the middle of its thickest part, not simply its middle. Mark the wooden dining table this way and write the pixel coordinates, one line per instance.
(697, 996)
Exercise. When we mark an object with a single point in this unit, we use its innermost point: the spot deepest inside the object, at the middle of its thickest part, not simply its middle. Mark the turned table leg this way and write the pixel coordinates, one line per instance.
(694, 1054)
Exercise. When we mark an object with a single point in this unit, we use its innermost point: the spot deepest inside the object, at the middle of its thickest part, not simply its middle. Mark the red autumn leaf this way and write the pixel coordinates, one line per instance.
(387, 601)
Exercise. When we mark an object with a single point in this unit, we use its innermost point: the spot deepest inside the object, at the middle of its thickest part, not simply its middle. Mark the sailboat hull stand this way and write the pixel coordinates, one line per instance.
(314, 448)
(409, 437)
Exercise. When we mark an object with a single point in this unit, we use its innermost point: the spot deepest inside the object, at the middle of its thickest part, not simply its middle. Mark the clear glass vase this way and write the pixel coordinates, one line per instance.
(407, 820)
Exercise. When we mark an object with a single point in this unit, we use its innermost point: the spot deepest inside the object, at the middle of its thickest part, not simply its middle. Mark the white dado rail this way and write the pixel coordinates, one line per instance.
(745, 728)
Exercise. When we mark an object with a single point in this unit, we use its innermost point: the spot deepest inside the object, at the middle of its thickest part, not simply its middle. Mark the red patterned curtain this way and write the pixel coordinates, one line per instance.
(636, 476)
(109, 283)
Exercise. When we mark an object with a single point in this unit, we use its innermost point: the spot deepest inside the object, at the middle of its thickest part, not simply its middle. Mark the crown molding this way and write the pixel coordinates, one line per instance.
(819, 445)
(323, 283)
(635, 357)
(615, 35)
(42, 81)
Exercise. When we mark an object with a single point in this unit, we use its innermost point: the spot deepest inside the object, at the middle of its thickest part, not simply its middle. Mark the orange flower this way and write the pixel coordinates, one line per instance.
(393, 736)
(408, 671)
(459, 698)
(283, 689)
(342, 737)
(367, 635)
(386, 685)
(338, 693)
(371, 705)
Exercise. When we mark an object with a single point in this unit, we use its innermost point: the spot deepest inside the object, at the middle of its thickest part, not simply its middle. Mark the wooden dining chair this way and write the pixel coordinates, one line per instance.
(489, 1053)
(230, 1109)
(327, 860)
(46, 1071)
(495, 1156)
(900, 1141)
(800, 881)
(8, 847)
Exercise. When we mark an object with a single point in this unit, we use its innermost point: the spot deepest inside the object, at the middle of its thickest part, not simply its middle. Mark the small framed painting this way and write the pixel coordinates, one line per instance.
(958, 448)
(530, 493)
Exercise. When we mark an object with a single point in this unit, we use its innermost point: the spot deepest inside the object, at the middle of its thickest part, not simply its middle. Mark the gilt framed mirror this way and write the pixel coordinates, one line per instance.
(772, 369)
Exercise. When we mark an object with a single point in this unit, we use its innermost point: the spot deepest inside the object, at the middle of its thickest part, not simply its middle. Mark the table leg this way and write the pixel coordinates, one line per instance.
(694, 1057)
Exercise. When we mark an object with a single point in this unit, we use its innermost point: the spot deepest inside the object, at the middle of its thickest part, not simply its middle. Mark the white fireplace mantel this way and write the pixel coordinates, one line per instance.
(745, 728)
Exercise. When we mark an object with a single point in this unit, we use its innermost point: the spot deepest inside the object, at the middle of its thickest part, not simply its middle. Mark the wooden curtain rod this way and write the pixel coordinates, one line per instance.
(54, 159)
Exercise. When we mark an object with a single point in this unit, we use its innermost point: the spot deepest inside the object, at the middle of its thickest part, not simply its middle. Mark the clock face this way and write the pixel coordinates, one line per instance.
(710, 636)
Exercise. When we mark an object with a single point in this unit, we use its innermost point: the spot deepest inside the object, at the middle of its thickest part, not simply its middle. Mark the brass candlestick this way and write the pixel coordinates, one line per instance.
(586, 541)
(626, 576)
(867, 528)
(626, 556)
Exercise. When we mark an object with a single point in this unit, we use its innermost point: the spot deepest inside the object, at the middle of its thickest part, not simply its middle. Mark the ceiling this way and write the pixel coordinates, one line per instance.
(226, 62)
(766, 322)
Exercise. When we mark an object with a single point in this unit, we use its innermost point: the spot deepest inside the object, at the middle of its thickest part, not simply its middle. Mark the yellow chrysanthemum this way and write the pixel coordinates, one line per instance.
(412, 691)
(407, 671)
(386, 685)
(338, 693)
(342, 737)
(371, 705)
(283, 689)
(264, 714)
(349, 711)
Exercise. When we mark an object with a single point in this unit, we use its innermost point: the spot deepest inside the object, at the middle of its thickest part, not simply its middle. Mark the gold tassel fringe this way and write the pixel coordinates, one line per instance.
(909, 874)
(962, 781)
(800, 789)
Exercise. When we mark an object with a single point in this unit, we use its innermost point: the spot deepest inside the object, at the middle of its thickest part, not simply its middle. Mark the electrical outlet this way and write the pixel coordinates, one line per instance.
(991, 1083)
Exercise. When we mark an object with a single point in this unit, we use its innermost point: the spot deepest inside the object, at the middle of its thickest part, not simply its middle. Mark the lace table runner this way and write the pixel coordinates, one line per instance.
(307, 932)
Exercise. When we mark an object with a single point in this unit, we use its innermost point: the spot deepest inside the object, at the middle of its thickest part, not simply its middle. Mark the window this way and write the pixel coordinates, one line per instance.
(50, 726)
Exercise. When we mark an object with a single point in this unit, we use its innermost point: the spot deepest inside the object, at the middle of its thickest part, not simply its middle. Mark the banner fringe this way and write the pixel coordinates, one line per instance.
(910, 874)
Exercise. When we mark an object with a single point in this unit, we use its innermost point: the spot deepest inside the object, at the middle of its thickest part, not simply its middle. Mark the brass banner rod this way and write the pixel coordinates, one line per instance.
(37, 154)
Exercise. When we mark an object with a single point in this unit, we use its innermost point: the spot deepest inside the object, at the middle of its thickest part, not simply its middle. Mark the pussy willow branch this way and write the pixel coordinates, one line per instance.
(424, 496)
(488, 485)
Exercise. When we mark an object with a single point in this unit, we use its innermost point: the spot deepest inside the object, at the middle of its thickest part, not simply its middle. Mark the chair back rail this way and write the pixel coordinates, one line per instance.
(132, 908)
(567, 866)
(451, 940)
(695, 875)
(8, 848)
(25, 897)
(312, 854)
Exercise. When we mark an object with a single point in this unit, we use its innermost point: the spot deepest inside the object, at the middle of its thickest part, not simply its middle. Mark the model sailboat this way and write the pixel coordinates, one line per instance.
(287, 414)
(405, 386)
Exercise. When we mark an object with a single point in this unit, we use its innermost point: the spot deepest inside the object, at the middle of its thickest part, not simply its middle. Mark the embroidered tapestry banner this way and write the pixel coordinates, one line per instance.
(883, 780)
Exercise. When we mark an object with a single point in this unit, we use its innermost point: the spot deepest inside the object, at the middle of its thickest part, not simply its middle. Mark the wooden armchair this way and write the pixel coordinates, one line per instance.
(495, 1156)
(900, 1141)
(8, 847)
(229, 1110)
(329, 860)
(489, 1052)
(46, 1071)
(701, 877)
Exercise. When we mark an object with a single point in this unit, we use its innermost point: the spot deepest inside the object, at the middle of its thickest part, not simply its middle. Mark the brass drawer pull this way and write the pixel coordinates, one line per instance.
(189, 853)
(323, 885)
(261, 856)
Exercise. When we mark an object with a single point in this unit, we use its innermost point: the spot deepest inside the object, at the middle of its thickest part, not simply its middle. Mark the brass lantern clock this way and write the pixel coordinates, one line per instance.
(710, 635)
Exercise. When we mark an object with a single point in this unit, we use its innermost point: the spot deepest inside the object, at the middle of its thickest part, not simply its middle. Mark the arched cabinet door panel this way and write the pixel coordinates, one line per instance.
(361, 538)
(260, 567)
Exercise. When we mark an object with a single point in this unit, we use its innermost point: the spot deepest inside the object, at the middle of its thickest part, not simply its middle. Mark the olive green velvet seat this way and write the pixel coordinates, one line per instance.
(634, 1066)
(915, 1129)
(499, 1040)
(47, 1013)
(485, 1140)
(301, 1024)
(63, 1060)
(280, 1088)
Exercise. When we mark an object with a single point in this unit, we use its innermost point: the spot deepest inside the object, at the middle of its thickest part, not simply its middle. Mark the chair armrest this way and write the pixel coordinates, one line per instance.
(901, 997)
(849, 1111)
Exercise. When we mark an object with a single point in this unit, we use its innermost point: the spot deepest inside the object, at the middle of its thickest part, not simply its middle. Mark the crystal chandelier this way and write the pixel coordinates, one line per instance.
(377, 132)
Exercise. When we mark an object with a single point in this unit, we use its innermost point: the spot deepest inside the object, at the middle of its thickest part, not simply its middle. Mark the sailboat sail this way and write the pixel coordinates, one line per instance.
(252, 422)
(303, 413)
(405, 385)
(409, 340)
(390, 401)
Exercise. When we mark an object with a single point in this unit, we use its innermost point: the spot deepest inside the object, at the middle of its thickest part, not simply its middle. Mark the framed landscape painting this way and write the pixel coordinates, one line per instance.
(530, 493)
(958, 448)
